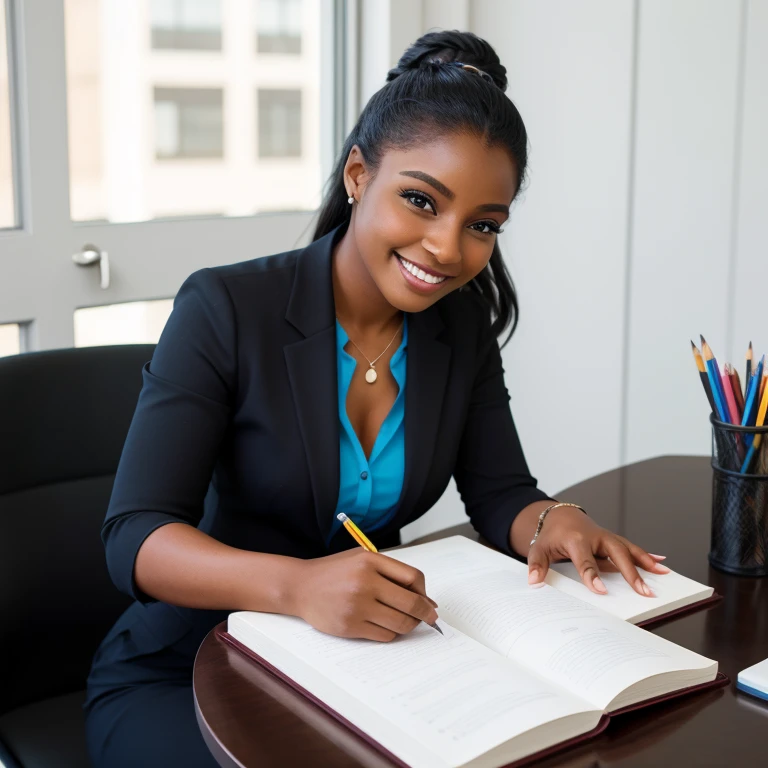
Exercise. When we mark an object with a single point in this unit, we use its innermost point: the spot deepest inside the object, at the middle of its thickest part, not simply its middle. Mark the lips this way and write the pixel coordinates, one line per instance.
(422, 281)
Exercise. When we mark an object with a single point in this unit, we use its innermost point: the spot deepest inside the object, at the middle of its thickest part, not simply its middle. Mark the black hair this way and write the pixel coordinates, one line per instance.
(428, 93)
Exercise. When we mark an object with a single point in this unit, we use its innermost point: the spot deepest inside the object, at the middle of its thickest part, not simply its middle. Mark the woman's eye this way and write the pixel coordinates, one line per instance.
(488, 227)
(418, 201)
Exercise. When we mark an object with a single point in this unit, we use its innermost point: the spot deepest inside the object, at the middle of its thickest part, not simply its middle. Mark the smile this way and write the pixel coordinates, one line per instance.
(420, 274)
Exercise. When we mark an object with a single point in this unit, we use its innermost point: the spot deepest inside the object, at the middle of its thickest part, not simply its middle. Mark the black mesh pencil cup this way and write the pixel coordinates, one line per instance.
(739, 543)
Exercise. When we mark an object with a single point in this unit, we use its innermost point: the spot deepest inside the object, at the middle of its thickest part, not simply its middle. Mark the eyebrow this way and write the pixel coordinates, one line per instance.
(443, 190)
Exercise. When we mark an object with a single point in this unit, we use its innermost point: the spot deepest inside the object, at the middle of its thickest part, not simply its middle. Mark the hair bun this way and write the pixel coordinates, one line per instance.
(448, 46)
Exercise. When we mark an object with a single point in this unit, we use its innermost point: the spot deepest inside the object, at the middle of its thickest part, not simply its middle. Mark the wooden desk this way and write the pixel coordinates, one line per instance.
(249, 718)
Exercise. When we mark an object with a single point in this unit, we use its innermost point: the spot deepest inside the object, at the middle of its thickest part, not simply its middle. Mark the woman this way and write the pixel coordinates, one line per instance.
(356, 374)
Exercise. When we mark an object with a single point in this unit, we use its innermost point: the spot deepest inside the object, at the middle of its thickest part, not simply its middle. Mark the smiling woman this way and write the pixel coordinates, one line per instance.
(354, 376)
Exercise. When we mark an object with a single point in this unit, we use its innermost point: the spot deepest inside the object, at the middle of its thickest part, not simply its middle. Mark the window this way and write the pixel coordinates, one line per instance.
(279, 123)
(278, 26)
(7, 203)
(156, 133)
(193, 25)
(135, 322)
(188, 122)
(10, 339)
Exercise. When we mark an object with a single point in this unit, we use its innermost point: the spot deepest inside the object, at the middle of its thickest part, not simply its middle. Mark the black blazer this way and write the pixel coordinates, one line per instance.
(236, 430)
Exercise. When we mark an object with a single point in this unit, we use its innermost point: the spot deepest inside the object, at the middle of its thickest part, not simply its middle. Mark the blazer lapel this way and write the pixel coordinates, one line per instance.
(426, 378)
(311, 366)
(312, 374)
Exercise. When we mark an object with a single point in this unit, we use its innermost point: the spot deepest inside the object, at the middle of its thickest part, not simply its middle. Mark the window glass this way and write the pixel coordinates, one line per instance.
(279, 123)
(278, 26)
(173, 131)
(9, 339)
(135, 322)
(7, 202)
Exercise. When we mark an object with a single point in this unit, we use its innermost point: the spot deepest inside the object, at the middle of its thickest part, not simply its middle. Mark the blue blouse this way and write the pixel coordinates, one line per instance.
(369, 489)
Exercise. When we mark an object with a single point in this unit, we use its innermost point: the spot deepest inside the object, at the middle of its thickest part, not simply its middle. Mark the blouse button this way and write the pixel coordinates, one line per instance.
(364, 475)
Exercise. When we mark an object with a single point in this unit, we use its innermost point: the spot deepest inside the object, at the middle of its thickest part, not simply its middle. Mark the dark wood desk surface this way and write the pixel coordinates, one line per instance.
(251, 719)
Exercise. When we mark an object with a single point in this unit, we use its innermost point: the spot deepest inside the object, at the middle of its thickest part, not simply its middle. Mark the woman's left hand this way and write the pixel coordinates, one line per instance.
(569, 534)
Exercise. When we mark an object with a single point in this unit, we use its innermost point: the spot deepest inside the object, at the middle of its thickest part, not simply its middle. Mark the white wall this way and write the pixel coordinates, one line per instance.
(643, 224)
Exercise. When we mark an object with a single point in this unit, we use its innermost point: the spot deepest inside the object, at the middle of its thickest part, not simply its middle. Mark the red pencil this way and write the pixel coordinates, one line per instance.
(730, 399)
(733, 375)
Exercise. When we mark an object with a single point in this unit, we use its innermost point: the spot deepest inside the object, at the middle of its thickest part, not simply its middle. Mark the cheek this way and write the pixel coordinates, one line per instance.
(385, 224)
(475, 257)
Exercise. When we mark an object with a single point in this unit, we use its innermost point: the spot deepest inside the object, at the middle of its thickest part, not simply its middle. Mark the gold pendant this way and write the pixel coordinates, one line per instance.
(371, 375)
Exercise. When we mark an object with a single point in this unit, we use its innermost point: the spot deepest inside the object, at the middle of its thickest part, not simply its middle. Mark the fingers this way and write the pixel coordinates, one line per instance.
(406, 603)
(392, 620)
(643, 558)
(582, 557)
(402, 573)
(538, 565)
(620, 554)
(370, 631)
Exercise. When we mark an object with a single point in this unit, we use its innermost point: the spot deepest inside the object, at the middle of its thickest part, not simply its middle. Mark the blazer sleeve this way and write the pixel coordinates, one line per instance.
(491, 472)
(182, 413)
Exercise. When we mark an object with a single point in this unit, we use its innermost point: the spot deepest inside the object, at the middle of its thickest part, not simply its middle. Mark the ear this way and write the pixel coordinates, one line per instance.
(356, 174)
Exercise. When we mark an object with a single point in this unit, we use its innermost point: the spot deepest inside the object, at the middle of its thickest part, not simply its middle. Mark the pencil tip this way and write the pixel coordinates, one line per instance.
(693, 346)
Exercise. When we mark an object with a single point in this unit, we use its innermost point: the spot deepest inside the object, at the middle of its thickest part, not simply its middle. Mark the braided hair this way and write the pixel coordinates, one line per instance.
(446, 82)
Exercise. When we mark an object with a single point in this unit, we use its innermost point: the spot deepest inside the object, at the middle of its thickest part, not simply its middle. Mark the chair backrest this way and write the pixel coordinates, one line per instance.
(64, 416)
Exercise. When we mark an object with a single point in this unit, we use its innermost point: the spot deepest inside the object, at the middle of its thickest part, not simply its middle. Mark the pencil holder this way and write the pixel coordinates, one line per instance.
(739, 542)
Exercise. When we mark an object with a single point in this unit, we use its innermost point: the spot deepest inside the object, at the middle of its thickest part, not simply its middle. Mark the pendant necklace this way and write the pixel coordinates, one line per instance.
(370, 374)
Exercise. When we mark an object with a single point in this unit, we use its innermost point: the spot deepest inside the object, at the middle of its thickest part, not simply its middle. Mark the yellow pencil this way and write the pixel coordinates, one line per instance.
(366, 543)
(357, 534)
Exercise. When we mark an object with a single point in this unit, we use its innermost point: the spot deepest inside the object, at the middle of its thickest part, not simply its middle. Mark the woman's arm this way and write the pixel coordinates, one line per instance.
(181, 565)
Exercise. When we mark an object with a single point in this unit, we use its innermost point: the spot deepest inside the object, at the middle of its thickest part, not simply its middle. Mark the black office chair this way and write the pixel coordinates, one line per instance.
(64, 415)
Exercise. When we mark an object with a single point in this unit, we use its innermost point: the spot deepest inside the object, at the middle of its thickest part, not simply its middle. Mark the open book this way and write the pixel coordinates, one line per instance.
(518, 671)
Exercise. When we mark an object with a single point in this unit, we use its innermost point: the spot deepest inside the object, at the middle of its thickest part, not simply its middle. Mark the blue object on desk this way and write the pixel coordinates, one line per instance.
(754, 680)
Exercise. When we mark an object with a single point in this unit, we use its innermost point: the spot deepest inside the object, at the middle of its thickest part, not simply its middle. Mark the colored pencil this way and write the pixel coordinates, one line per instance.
(736, 386)
(704, 378)
(751, 401)
(730, 400)
(749, 366)
(759, 421)
(714, 380)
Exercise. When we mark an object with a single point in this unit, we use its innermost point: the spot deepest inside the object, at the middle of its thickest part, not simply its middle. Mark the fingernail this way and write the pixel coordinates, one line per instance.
(533, 576)
(432, 601)
(658, 557)
(662, 568)
(647, 590)
(537, 585)
(598, 584)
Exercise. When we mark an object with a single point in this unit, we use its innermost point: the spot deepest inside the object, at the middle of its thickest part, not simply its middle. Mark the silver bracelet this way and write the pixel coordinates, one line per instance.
(546, 512)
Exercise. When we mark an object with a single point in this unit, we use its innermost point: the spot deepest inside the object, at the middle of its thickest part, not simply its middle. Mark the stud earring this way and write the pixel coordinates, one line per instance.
(350, 200)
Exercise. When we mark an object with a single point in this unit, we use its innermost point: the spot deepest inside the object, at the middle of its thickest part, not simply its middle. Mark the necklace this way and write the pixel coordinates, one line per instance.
(370, 374)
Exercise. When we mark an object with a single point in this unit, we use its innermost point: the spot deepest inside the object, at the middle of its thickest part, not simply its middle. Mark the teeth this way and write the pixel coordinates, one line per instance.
(420, 273)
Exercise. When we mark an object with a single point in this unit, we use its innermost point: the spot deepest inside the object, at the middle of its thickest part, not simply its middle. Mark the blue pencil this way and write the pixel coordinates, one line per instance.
(754, 390)
(713, 372)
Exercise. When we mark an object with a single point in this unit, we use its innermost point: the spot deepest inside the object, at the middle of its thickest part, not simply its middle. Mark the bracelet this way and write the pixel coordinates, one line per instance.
(546, 512)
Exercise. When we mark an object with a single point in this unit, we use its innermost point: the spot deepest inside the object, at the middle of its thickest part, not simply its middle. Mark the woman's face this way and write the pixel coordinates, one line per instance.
(427, 222)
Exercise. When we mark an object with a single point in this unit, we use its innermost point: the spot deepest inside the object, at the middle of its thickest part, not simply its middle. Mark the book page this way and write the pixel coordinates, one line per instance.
(420, 695)
(672, 591)
(486, 595)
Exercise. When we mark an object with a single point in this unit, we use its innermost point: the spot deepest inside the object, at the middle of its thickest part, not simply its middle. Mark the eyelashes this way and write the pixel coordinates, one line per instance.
(414, 194)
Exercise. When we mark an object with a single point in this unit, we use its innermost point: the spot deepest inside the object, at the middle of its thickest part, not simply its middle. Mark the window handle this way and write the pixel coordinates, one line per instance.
(91, 255)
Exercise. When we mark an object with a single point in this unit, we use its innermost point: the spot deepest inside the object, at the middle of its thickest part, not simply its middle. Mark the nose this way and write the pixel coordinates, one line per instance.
(444, 246)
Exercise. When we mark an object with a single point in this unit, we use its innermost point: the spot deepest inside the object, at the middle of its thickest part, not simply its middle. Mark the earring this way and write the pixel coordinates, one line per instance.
(350, 199)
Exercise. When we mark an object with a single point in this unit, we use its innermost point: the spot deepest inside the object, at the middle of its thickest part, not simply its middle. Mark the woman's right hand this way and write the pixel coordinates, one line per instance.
(361, 594)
